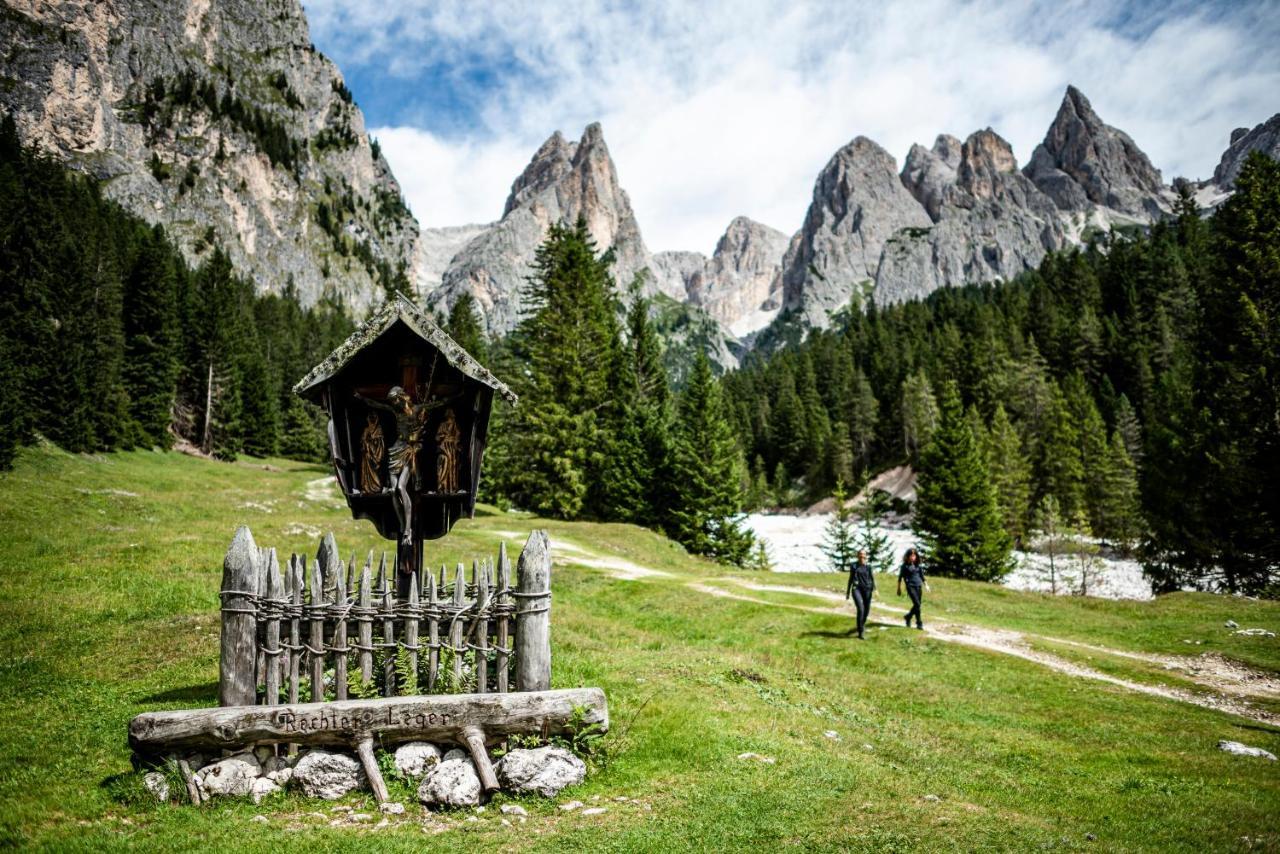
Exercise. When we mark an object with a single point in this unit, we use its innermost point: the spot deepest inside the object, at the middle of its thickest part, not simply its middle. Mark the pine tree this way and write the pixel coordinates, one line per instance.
(706, 474)
(1059, 471)
(1130, 430)
(839, 455)
(570, 341)
(1010, 472)
(464, 327)
(1119, 511)
(919, 415)
(864, 417)
(1081, 545)
(1052, 537)
(956, 512)
(151, 341)
(302, 438)
(838, 537)
(870, 539)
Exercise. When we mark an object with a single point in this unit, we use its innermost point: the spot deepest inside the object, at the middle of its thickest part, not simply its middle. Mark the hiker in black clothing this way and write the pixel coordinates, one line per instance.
(912, 572)
(862, 584)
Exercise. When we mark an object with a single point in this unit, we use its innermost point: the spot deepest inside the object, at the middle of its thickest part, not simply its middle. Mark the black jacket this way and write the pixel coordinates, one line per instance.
(860, 574)
(912, 574)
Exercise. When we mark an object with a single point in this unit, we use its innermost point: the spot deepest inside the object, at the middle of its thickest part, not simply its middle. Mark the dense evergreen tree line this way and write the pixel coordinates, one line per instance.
(1135, 382)
(598, 433)
(109, 340)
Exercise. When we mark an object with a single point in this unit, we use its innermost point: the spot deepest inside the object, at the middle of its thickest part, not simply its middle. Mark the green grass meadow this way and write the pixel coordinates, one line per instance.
(109, 574)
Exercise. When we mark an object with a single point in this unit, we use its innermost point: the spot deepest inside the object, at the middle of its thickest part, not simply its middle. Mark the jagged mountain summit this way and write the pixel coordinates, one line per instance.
(963, 212)
(1084, 161)
(565, 180)
(219, 120)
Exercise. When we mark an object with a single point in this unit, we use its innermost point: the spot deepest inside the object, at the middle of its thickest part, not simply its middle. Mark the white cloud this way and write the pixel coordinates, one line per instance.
(715, 110)
(451, 183)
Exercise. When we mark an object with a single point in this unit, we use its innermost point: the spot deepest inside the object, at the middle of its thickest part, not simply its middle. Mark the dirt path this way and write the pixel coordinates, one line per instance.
(1229, 683)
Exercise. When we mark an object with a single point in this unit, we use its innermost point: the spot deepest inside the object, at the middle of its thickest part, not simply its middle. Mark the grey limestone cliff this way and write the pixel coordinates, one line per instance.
(734, 285)
(1083, 161)
(1264, 138)
(858, 204)
(219, 120)
(563, 181)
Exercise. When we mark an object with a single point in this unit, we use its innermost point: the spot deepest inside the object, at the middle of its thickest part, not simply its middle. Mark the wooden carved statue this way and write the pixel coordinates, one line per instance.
(411, 419)
(374, 448)
(448, 446)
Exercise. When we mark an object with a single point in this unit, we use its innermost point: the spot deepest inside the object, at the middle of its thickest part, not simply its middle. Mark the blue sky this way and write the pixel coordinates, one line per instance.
(717, 109)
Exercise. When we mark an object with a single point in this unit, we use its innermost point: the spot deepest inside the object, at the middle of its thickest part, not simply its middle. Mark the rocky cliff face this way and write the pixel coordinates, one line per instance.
(963, 212)
(1084, 161)
(563, 181)
(858, 204)
(990, 223)
(219, 120)
(1265, 138)
(734, 285)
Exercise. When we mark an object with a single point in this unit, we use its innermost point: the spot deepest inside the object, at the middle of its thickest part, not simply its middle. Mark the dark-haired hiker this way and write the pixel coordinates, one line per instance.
(862, 583)
(912, 573)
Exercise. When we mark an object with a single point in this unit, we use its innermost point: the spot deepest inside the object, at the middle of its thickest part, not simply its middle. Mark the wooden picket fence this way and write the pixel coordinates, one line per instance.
(340, 628)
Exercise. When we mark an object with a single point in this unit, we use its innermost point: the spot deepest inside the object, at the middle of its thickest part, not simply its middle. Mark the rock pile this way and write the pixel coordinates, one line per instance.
(446, 777)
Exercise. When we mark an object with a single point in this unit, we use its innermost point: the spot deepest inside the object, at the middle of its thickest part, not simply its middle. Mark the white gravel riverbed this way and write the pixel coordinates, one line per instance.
(795, 545)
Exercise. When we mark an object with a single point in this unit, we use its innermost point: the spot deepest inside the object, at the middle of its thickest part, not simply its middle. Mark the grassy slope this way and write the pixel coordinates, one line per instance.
(108, 607)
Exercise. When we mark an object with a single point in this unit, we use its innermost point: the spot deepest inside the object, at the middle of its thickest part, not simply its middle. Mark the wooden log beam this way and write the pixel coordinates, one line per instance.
(441, 718)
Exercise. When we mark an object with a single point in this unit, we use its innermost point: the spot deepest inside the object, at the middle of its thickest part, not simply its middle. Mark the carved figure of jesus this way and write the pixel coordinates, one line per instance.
(448, 445)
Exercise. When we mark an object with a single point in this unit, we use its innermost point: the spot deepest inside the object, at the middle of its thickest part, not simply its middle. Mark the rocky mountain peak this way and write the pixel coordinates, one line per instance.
(1265, 138)
(859, 202)
(564, 180)
(1084, 162)
(928, 172)
(551, 162)
(984, 159)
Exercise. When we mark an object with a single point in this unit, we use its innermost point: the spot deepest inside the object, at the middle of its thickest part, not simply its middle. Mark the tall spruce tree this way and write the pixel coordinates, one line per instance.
(1010, 472)
(839, 537)
(919, 414)
(1059, 470)
(464, 327)
(1118, 514)
(956, 512)
(151, 341)
(570, 342)
(706, 474)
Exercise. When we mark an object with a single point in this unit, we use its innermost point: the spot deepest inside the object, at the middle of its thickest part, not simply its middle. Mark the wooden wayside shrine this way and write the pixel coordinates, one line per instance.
(322, 651)
(408, 415)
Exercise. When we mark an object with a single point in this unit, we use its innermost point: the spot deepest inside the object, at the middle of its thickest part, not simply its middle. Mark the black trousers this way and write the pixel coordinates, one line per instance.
(915, 593)
(862, 601)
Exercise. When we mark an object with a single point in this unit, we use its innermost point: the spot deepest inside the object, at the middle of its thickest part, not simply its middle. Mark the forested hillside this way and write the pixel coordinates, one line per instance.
(1149, 356)
(1133, 383)
(109, 340)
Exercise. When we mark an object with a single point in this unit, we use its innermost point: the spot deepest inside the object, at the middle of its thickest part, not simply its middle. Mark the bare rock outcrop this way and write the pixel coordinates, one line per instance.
(1265, 138)
(563, 181)
(219, 120)
(858, 204)
(991, 223)
(734, 285)
(1083, 161)
(928, 172)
